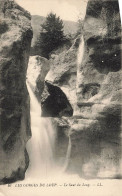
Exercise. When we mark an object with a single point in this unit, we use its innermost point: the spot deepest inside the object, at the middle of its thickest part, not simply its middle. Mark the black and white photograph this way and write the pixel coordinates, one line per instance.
(60, 98)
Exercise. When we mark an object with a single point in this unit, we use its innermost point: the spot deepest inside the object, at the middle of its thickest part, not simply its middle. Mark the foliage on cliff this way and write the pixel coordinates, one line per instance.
(51, 35)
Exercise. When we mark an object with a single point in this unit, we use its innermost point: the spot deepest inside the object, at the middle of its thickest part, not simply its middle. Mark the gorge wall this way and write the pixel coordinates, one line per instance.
(99, 94)
(93, 91)
(79, 87)
(15, 41)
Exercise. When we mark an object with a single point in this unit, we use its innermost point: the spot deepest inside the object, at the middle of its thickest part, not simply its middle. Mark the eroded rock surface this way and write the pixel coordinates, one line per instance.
(92, 86)
(96, 135)
(54, 102)
(38, 68)
(15, 41)
(62, 75)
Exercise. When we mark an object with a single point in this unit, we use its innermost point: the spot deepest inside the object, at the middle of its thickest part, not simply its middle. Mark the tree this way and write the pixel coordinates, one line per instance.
(51, 35)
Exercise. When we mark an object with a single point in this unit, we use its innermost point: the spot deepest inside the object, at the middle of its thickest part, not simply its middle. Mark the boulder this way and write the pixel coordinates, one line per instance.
(38, 67)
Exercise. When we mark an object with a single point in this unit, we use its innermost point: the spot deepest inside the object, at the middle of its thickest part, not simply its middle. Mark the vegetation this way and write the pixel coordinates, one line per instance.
(51, 35)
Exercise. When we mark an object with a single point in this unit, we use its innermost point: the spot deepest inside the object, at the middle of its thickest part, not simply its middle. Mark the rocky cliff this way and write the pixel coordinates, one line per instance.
(99, 93)
(38, 68)
(91, 83)
(62, 75)
(15, 41)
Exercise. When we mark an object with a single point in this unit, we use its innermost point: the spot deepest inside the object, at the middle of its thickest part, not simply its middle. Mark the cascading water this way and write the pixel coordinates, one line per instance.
(41, 146)
(41, 154)
(80, 56)
(79, 61)
(67, 155)
(80, 51)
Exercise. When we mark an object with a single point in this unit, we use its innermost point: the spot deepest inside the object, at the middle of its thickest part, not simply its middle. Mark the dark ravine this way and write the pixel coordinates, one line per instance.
(93, 88)
(54, 102)
(15, 42)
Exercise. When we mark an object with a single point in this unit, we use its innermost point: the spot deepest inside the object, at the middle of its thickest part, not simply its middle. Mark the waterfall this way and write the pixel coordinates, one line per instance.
(80, 52)
(80, 56)
(67, 156)
(79, 61)
(41, 146)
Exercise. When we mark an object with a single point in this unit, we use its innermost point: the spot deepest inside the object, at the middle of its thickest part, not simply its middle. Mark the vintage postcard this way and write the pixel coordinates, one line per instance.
(60, 98)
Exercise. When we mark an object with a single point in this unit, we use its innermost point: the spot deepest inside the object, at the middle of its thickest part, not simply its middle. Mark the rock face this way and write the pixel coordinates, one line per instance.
(38, 68)
(15, 41)
(96, 134)
(54, 102)
(62, 78)
(62, 126)
(93, 88)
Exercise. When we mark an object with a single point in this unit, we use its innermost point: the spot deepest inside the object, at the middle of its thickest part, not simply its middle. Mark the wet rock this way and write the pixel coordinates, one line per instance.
(62, 126)
(38, 67)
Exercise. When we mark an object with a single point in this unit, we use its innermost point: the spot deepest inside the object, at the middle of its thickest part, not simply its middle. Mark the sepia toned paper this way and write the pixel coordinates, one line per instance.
(66, 110)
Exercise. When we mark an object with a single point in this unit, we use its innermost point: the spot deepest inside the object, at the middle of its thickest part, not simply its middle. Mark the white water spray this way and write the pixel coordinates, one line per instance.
(80, 52)
(80, 56)
(67, 156)
(41, 146)
(79, 61)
